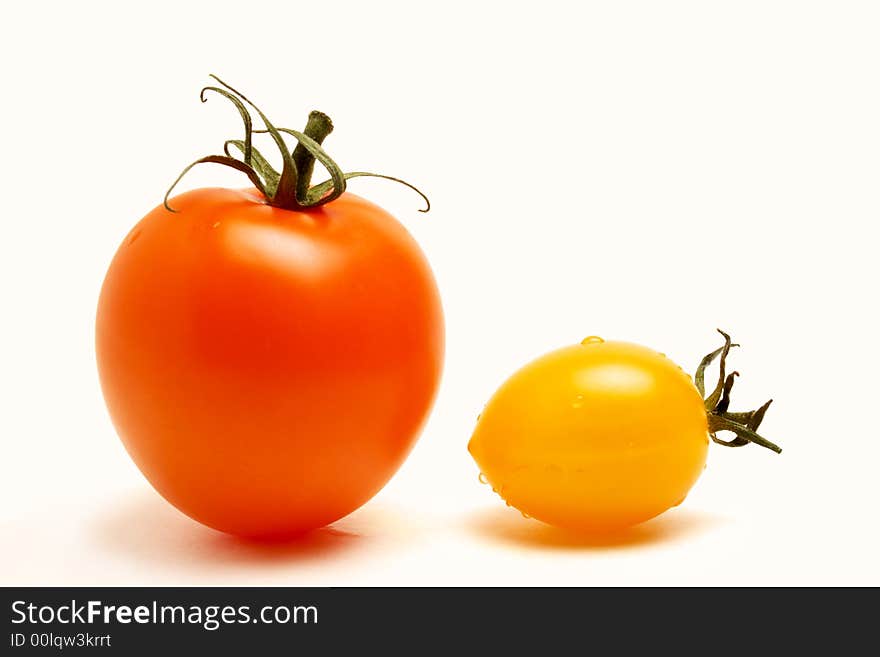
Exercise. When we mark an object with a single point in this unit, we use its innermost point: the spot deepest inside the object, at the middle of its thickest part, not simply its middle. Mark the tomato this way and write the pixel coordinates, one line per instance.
(268, 369)
(602, 435)
(594, 436)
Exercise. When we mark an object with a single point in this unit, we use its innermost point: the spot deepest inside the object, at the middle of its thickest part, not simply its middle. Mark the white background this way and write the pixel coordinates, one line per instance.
(638, 170)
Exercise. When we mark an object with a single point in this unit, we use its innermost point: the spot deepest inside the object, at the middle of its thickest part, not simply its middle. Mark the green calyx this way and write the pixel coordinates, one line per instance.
(290, 189)
(744, 425)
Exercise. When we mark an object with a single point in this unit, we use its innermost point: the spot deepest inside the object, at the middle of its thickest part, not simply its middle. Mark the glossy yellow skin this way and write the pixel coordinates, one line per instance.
(593, 437)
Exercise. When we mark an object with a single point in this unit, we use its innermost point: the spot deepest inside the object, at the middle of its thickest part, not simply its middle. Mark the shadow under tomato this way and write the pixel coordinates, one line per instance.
(145, 528)
(508, 526)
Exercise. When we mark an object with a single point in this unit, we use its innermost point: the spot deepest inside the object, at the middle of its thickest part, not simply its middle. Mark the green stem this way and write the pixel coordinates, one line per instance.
(743, 424)
(290, 189)
(317, 127)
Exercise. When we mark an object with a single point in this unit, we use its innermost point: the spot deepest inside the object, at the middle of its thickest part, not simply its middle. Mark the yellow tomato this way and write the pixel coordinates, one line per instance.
(594, 437)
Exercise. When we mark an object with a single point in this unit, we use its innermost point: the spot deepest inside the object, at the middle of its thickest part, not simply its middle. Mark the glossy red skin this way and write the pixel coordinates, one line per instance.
(268, 370)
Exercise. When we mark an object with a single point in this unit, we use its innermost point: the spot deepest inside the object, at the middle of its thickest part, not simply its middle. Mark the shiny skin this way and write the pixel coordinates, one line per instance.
(268, 370)
(593, 437)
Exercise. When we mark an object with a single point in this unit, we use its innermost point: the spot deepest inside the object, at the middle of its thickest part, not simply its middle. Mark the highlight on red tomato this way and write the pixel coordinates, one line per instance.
(600, 436)
(268, 355)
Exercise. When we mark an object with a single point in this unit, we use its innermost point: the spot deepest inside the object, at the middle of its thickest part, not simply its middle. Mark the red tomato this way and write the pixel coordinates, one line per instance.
(268, 370)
